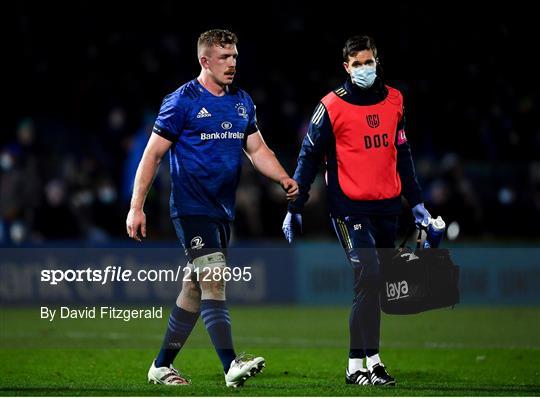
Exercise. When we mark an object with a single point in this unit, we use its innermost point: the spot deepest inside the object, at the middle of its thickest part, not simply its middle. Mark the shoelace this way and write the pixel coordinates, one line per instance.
(380, 373)
(243, 357)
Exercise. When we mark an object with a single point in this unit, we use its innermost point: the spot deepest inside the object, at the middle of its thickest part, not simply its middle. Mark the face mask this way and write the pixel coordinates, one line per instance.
(364, 76)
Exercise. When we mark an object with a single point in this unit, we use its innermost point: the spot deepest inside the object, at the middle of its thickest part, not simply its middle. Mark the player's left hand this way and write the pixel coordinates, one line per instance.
(421, 215)
(290, 186)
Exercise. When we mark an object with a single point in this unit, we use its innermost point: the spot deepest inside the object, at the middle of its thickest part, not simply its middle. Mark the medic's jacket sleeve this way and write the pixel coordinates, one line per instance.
(312, 154)
(410, 188)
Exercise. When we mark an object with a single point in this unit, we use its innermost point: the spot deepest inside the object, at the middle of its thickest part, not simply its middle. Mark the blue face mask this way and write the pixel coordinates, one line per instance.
(364, 76)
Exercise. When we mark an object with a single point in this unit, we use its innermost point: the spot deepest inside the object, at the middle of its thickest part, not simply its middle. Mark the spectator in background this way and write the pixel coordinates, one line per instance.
(55, 219)
(19, 184)
(135, 149)
(83, 120)
(452, 194)
(248, 223)
(106, 211)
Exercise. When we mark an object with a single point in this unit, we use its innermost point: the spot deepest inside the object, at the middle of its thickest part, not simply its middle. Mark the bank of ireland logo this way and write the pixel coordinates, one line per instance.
(241, 109)
(373, 121)
(226, 125)
(196, 243)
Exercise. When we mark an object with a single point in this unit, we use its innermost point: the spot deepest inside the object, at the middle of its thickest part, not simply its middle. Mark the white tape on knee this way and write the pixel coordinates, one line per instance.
(212, 260)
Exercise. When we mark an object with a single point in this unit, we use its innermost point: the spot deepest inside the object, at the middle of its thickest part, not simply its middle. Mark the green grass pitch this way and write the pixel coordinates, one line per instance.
(465, 352)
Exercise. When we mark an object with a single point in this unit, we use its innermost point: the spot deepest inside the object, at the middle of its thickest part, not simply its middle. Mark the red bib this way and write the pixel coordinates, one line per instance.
(365, 145)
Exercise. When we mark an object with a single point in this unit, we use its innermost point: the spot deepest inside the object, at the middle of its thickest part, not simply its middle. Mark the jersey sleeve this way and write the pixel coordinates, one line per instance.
(410, 186)
(171, 118)
(252, 126)
(311, 157)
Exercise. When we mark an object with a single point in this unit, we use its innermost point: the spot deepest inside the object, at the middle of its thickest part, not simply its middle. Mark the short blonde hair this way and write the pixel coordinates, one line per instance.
(215, 37)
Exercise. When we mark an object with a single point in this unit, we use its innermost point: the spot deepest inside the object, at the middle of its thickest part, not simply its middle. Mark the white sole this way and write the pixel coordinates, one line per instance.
(153, 380)
(252, 372)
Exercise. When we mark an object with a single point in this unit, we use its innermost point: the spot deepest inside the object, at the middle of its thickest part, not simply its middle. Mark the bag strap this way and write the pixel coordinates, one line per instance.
(419, 238)
(409, 233)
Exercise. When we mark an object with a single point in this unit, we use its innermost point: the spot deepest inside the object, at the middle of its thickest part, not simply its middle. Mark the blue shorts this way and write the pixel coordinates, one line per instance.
(201, 235)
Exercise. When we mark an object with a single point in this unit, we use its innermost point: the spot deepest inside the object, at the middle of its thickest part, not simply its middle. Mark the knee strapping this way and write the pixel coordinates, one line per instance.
(210, 261)
(210, 271)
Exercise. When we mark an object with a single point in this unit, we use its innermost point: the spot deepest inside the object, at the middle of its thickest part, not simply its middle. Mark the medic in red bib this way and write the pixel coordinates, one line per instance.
(357, 133)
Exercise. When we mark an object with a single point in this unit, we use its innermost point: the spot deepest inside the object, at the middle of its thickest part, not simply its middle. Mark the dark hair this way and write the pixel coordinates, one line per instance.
(356, 44)
(218, 37)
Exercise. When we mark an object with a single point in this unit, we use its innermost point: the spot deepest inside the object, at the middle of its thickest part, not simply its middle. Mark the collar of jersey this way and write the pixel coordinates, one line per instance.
(373, 95)
(205, 91)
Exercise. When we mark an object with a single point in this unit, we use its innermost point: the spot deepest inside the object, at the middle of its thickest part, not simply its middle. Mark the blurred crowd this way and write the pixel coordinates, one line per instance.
(71, 148)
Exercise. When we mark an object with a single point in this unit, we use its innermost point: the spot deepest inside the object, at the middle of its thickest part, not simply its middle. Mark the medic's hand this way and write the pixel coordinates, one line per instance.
(292, 224)
(421, 215)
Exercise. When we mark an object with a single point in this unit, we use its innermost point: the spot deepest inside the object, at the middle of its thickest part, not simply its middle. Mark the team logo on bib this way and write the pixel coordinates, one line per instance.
(373, 121)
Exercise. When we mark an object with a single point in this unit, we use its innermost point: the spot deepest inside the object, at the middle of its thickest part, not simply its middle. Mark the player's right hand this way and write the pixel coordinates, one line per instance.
(135, 222)
(292, 224)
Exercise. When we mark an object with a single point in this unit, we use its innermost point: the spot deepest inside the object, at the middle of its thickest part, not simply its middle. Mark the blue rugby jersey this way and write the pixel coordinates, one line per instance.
(208, 135)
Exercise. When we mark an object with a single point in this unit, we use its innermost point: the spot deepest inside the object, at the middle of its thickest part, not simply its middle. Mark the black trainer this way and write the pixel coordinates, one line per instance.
(380, 377)
(358, 377)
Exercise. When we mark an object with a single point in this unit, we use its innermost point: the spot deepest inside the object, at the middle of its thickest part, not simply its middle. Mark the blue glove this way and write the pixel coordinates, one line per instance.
(421, 215)
(292, 224)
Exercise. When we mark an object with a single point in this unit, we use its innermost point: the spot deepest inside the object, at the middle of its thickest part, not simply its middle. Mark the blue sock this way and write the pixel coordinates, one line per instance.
(181, 323)
(218, 324)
